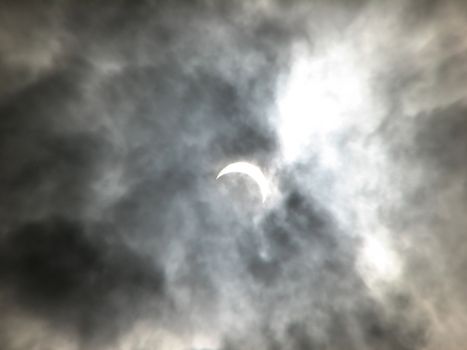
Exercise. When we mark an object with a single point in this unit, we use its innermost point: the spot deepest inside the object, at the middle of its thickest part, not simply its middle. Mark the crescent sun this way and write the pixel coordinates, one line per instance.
(250, 170)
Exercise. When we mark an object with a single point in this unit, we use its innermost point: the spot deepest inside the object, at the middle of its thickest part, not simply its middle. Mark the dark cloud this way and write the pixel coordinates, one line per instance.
(80, 278)
(116, 116)
(44, 167)
(441, 138)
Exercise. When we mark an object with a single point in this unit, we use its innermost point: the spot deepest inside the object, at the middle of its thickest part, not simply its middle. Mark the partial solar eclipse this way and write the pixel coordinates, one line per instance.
(251, 171)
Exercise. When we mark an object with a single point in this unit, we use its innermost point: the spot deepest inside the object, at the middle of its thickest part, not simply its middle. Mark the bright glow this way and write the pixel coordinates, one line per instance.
(378, 262)
(204, 342)
(322, 95)
(252, 171)
(327, 111)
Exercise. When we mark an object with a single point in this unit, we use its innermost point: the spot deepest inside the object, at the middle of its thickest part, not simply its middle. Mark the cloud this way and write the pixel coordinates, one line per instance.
(58, 270)
(116, 118)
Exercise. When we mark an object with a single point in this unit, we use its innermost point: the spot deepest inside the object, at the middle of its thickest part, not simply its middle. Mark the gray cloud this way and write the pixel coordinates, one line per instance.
(116, 117)
(78, 280)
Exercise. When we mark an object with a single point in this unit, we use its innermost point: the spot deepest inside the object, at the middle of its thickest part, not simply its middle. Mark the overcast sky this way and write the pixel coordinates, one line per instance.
(116, 117)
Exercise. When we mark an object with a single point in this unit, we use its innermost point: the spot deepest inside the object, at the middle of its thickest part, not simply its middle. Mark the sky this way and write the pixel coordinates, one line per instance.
(117, 116)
